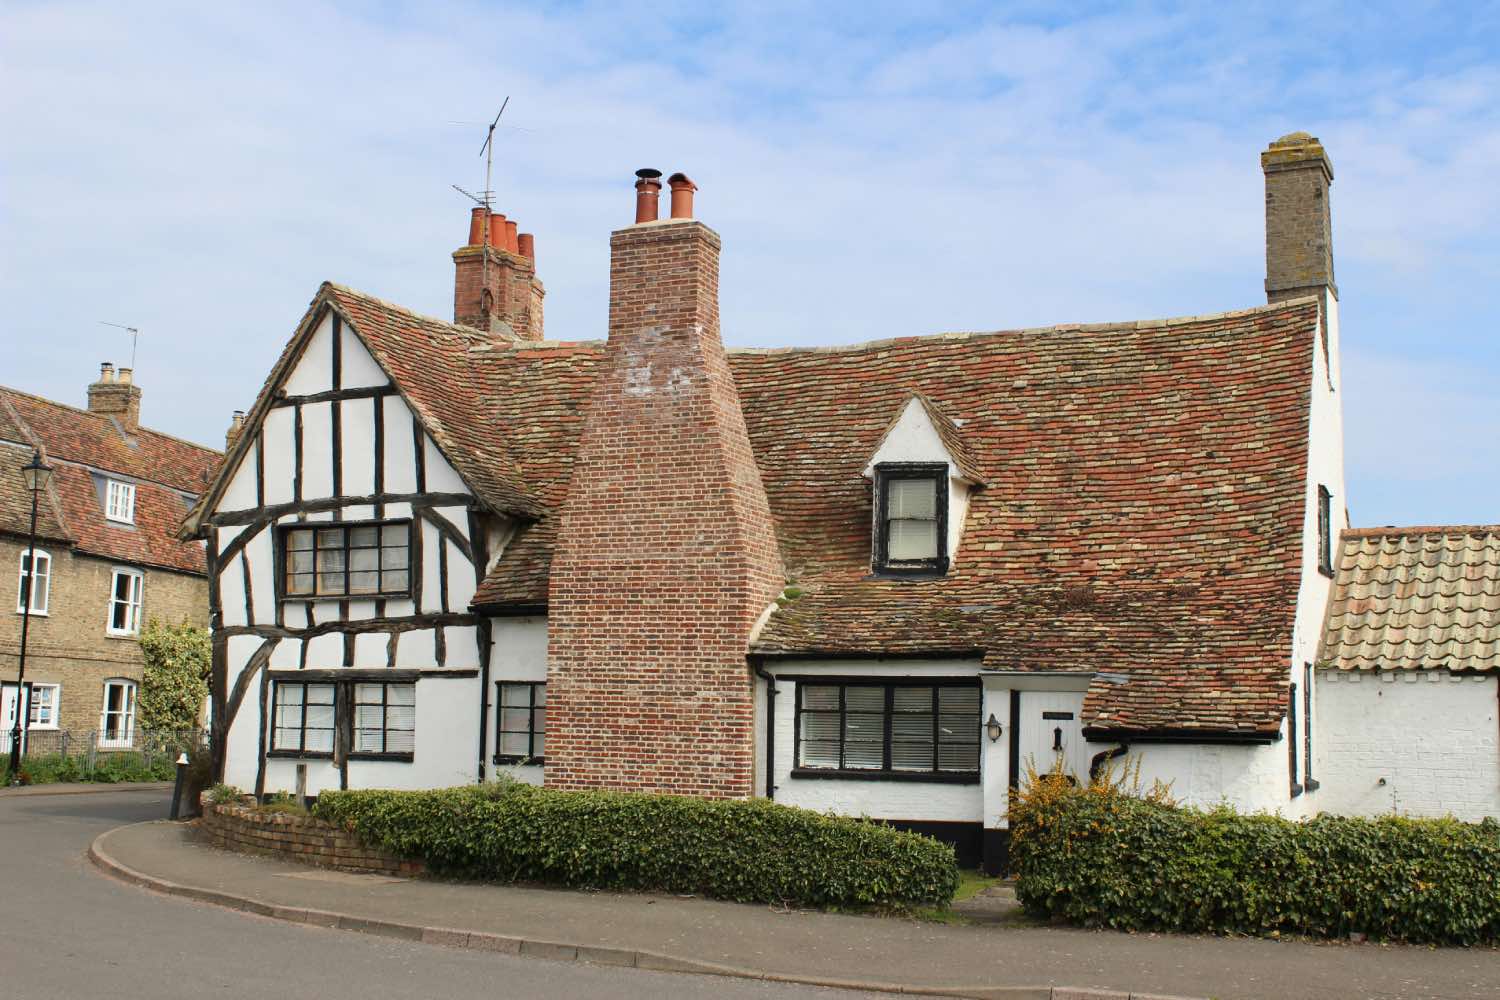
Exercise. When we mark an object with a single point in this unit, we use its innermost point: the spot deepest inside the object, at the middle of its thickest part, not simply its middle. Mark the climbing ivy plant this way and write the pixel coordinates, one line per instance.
(175, 681)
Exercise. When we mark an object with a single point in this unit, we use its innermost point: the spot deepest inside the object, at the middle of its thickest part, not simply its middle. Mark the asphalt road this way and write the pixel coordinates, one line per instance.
(67, 931)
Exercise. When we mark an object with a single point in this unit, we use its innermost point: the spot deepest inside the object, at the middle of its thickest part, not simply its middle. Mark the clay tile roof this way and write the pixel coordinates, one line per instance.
(1143, 514)
(1415, 599)
(441, 370)
(84, 448)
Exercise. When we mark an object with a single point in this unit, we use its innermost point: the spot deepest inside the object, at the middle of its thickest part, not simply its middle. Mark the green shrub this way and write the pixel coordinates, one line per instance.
(174, 679)
(1101, 857)
(222, 794)
(751, 851)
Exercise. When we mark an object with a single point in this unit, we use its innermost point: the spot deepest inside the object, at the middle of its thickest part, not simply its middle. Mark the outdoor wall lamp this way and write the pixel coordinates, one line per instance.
(992, 729)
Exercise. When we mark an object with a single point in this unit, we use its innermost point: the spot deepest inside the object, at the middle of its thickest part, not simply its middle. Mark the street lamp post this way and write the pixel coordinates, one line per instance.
(37, 474)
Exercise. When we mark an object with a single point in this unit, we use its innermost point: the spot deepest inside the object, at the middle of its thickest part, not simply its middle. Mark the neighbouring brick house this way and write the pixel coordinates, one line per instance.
(107, 558)
(879, 579)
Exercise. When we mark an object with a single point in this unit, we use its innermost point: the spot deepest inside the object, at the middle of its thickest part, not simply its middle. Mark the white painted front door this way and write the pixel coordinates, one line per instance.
(1052, 731)
(7, 715)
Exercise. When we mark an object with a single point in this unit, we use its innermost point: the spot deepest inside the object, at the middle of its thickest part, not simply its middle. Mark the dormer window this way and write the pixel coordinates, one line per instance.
(119, 502)
(911, 518)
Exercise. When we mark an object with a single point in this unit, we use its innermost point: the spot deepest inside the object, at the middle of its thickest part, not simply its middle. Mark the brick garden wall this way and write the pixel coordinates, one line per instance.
(296, 838)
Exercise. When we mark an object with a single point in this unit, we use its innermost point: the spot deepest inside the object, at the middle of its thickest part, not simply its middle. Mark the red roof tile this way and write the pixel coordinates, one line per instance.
(82, 447)
(1142, 516)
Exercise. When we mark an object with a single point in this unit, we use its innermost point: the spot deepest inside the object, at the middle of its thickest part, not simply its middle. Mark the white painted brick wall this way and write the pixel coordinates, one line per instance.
(1431, 736)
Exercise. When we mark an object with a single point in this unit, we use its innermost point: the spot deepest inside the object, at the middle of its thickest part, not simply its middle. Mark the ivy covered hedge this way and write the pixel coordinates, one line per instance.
(751, 851)
(1101, 857)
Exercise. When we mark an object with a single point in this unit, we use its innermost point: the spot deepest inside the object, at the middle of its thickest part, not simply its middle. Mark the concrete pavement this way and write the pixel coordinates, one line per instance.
(995, 961)
(70, 933)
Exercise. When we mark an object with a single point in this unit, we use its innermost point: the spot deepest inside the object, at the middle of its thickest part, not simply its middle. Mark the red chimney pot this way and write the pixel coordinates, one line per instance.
(511, 240)
(497, 231)
(527, 245)
(682, 196)
(476, 227)
(647, 195)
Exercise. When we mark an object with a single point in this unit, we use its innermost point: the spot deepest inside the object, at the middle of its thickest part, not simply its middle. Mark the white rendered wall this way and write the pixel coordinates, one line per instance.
(1429, 736)
(518, 653)
(1251, 778)
(1325, 466)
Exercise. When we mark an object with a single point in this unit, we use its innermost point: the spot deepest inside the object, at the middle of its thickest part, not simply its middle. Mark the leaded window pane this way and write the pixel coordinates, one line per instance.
(907, 540)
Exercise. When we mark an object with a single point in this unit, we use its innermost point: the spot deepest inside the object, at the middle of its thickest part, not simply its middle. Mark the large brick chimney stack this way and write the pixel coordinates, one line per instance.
(666, 555)
(117, 396)
(1299, 224)
(495, 287)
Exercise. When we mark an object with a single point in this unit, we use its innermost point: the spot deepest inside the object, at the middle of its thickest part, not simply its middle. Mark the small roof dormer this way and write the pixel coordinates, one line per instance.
(923, 476)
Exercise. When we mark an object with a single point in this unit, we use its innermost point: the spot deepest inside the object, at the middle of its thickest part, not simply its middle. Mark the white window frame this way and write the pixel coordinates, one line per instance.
(134, 601)
(127, 713)
(119, 501)
(53, 701)
(23, 571)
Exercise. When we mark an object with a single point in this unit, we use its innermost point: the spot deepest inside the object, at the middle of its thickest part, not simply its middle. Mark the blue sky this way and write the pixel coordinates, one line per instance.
(875, 169)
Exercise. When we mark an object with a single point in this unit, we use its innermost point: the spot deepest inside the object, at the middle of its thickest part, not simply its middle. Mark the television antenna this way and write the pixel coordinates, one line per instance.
(135, 335)
(484, 199)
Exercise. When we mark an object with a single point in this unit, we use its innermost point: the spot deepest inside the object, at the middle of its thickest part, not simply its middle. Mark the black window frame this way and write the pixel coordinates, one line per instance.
(354, 704)
(283, 531)
(343, 717)
(301, 752)
(1325, 531)
(530, 757)
(886, 773)
(888, 472)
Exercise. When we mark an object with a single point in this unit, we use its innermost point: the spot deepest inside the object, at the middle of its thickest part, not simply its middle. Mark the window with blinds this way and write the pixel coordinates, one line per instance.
(303, 718)
(911, 518)
(385, 719)
(907, 730)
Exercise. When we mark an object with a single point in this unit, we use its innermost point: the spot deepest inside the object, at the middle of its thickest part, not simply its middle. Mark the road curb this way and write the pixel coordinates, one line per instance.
(84, 788)
(452, 937)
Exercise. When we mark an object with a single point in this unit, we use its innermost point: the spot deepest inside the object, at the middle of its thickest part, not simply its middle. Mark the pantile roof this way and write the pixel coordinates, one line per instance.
(84, 449)
(1415, 599)
(1142, 516)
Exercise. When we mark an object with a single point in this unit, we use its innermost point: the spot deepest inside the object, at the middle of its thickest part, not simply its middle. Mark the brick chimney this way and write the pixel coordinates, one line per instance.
(117, 396)
(495, 287)
(236, 426)
(666, 555)
(1299, 226)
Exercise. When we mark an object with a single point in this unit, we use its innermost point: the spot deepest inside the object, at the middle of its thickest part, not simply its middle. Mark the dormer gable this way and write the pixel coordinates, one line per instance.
(923, 477)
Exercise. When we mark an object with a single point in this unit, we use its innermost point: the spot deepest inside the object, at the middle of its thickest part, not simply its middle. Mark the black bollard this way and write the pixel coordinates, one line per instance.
(182, 766)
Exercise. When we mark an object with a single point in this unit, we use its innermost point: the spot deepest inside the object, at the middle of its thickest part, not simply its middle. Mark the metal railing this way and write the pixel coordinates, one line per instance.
(82, 751)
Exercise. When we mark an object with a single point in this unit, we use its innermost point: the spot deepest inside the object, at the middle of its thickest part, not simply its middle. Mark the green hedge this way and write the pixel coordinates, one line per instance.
(1102, 858)
(752, 851)
(109, 768)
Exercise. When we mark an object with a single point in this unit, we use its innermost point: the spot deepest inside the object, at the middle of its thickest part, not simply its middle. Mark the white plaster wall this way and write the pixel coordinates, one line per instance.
(277, 434)
(232, 592)
(1433, 737)
(371, 649)
(462, 645)
(314, 369)
(358, 369)
(440, 475)
(240, 493)
(1325, 467)
(432, 553)
(1250, 778)
(400, 452)
(357, 451)
(417, 648)
(317, 451)
(260, 553)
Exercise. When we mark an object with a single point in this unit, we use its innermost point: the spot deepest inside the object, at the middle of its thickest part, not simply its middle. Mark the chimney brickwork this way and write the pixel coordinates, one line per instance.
(117, 396)
(495, 286)
(1299, 226)
(666, 555)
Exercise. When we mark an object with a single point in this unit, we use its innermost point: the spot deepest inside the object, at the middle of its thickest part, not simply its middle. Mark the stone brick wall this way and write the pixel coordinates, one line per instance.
(70, 645)
(296, 838)
(666, 554)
